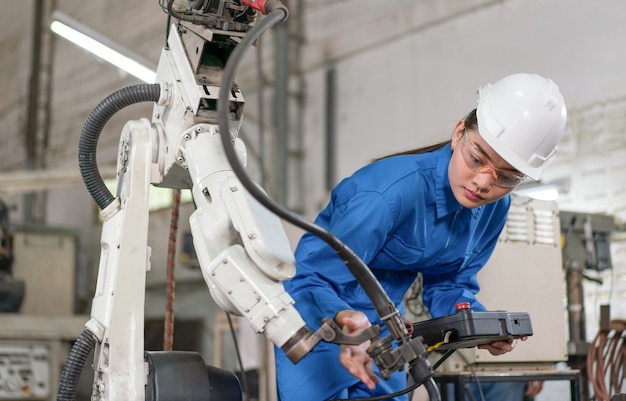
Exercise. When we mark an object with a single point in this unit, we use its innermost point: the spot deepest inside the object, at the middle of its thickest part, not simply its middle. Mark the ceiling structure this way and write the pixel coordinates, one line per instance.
(50, 86)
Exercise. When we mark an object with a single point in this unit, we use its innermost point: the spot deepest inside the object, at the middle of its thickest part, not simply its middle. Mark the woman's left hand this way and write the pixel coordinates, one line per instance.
(500, 347)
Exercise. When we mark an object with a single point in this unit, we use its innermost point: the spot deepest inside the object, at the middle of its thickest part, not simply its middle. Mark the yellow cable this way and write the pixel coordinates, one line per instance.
(435, 346)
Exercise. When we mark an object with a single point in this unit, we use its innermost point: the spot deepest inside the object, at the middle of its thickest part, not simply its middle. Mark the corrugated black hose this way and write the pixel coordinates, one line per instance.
(74, 365)
(91, 133)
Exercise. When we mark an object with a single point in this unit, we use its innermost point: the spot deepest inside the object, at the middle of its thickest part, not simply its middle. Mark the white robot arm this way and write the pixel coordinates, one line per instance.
(242, 248)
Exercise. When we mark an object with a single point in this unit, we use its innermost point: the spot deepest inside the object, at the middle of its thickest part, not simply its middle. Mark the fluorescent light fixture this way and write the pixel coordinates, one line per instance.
(546, 192)
(102, 47)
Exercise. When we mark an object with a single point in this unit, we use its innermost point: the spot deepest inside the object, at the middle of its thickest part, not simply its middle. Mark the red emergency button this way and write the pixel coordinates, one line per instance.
(461, 306)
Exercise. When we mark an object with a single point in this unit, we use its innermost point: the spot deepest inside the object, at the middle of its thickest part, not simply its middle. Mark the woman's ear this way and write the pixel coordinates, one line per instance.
(457, 134)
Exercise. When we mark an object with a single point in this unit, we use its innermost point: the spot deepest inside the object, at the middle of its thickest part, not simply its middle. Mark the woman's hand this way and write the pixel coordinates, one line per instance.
(500, 347)
(354, 357)
(533, 388)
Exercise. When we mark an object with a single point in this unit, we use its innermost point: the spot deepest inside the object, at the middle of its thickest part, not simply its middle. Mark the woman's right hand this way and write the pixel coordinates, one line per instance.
(354, 357)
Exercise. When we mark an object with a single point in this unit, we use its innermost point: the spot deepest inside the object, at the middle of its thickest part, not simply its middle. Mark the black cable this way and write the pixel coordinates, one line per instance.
(244, 380)
(478, 385)
(382, 397)
(445, 356)
(207, 20)
(383, 305)
(433, 391)
(381, 302)
(388, 396)
(190, 17)
(364, 276)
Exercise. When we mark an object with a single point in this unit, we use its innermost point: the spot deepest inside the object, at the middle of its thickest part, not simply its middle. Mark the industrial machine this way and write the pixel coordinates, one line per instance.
(586, 260)
(586, 248)
(527, 261)
(192, 142)
(33, 350)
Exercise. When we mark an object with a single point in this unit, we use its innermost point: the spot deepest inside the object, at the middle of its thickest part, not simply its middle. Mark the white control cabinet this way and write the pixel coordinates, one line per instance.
(525, 274)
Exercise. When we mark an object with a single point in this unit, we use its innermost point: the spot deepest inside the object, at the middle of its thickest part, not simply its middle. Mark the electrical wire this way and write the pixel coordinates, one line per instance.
(383, 397)
(475, 376)
(445, 356)
(606, 360)
(208, 20)
(381, 302)
(244, 380)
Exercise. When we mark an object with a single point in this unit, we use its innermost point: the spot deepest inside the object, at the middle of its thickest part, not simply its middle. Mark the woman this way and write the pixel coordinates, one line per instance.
(437, 211)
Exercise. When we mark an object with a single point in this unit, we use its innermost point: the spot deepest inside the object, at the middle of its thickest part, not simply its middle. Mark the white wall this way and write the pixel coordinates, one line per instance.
(409, 89)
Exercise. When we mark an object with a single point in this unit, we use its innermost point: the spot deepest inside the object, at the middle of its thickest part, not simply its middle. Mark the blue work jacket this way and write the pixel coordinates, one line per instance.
(400, 217)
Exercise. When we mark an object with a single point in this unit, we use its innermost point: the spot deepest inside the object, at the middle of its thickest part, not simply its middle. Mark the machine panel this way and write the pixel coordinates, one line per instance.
(525, 273)
(24, 372)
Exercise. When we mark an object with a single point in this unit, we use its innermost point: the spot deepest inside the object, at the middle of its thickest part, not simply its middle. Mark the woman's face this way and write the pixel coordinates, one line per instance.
(475, 186)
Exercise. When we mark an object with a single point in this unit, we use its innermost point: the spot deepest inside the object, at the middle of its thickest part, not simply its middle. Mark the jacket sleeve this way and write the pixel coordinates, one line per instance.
(441, 292)
(362, 223)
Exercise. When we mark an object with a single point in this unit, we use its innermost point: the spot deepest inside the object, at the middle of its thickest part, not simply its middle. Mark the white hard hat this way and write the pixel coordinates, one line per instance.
(522, 117)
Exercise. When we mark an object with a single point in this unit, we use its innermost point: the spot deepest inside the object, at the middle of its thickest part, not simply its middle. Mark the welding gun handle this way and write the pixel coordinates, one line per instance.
(330, 332)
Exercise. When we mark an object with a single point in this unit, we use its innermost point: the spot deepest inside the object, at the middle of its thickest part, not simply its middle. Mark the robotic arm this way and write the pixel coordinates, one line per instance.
(243, 251)
(242, 248)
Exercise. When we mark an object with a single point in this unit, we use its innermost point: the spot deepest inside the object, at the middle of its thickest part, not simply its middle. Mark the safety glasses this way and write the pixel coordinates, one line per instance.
(478, 162)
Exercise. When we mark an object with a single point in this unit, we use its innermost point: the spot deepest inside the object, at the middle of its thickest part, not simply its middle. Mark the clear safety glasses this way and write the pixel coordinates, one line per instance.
(477, 161)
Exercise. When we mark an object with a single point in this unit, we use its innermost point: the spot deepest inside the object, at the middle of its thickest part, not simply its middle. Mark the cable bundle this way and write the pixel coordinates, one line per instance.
(606, 361)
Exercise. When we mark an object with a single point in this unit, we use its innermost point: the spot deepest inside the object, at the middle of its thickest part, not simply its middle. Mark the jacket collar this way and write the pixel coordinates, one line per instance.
(446, 202)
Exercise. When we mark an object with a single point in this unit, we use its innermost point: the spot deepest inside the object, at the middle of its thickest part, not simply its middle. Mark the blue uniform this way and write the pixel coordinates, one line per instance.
(497, 391)
(400, 216)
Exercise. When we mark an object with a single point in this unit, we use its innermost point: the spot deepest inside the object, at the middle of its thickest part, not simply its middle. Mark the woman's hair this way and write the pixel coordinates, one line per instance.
(471, 122)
